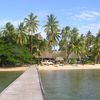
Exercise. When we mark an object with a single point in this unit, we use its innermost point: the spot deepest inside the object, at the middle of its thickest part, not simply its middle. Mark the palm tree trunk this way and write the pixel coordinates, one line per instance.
(31, 46)
(31, 42)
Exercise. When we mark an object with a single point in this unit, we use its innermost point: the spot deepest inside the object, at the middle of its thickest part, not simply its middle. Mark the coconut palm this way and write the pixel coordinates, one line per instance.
(64, 38)
(74, 43)
(96, 48)
(90, 39)
(21, 36)
(32, 25)
(64, 42)
(51, 29)
(9, 32)
(82, 44)
(39, 47)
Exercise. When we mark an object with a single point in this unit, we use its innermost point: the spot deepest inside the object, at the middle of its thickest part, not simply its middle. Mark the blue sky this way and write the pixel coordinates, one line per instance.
(83, 14)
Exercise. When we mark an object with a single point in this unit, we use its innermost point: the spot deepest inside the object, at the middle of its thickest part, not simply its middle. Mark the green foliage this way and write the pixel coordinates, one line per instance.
(21, 37)
(72, 61)
(96, 49)
(81, 46)
(31, 24)
(12, 54)
(20, 46)
(34, 61)
(52, 29)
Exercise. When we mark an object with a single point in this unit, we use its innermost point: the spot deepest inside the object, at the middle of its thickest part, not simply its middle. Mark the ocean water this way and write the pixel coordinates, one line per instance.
(71, 85)
(6, 78)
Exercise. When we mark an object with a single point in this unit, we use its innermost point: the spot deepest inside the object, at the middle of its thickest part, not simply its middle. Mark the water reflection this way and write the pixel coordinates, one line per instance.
(71, 85)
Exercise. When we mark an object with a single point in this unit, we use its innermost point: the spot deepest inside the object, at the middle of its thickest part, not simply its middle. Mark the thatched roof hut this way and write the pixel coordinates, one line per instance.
(55, 55)
(46, 54)
(58, 54)
(59, 59)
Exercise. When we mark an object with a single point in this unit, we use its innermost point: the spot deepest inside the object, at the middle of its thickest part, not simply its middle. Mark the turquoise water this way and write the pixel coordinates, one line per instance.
(71, 85)
(6, 78)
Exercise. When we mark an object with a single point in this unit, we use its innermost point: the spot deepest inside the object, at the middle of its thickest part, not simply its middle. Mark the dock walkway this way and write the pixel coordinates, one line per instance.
(26, 87)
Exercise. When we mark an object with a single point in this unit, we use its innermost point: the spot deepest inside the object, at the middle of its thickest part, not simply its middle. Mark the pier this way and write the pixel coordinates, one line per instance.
(25, 87)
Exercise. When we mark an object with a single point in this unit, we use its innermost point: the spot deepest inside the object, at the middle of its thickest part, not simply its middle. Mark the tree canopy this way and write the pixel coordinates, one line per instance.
(21, 45)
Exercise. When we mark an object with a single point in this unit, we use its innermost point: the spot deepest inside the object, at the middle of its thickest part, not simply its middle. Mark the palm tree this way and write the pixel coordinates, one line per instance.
(39, 47)
(51, 29)
(82, 42)
(96, 50)
(64, 42)
(90, 39)
(74, 44)
(64, 37)
(9, 32)
(21, 37)
(81, 48)
(32, 25)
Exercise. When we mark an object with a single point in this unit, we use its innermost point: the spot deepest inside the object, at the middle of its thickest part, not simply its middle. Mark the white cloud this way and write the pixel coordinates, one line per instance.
(94, 27)
(88, 15)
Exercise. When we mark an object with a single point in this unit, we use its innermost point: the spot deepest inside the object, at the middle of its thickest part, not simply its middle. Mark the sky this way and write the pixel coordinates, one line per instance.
(83, 14)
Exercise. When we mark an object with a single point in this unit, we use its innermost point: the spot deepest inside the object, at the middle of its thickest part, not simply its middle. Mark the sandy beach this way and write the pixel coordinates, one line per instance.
(14, 69)
(68, 67)
(54, 67)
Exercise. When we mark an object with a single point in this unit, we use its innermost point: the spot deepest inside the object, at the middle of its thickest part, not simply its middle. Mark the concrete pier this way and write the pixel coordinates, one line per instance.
(26, 87)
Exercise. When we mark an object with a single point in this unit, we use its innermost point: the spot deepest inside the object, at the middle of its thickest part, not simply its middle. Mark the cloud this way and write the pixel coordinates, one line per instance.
(14, 22)
(88, 15)
(94, 27)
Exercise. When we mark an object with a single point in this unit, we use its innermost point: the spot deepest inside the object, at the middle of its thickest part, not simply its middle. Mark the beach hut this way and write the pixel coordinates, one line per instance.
(59, 60)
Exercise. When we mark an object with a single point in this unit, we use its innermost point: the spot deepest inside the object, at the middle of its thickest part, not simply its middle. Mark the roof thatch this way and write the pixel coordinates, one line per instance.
(59, 59)
(54, 54)
(58, 54)
(46, 54)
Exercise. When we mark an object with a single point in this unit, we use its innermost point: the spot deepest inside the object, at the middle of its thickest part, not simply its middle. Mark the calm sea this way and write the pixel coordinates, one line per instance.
(6, 78)
(71, 85)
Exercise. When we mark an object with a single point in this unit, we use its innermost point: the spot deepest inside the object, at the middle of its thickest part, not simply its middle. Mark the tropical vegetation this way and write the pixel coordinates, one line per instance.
(20, 45)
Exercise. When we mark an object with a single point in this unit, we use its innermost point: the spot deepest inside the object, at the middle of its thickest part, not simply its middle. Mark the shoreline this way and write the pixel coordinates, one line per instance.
(13, 69)
(68, 67)
(55, 67)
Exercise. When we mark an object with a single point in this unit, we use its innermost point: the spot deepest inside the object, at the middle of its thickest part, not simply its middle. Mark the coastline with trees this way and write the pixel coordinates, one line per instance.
(21, 45)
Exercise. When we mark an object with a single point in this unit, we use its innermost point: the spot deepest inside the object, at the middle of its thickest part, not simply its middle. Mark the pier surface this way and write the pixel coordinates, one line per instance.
(25, 87)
